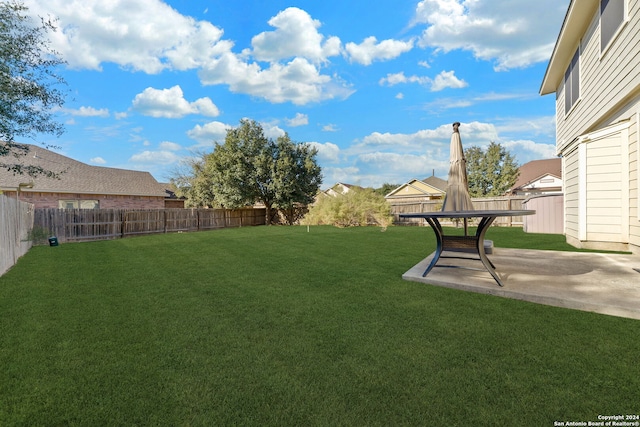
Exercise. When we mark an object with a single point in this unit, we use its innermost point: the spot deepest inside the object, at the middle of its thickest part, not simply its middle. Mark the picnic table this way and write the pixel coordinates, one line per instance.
(474, 244)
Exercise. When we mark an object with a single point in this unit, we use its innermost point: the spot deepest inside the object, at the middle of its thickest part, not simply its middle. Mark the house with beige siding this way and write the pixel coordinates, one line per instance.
(594, 72)
(416, 190)
(81, 186)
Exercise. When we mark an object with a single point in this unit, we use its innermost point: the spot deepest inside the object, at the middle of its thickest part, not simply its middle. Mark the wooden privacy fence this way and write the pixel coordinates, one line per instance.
(75, 225)
(479, 204)
(16, 221)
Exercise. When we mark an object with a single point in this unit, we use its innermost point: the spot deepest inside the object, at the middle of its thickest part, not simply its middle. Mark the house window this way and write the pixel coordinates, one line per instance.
(68, 204)
(572, 82)
(611, 17)
(78, 204)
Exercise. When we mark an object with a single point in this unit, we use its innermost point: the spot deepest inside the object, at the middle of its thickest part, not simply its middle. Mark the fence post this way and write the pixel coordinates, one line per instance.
(123, 217)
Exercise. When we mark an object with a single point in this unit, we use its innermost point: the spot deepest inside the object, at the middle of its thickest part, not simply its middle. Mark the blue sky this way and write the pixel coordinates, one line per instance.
(375, 85)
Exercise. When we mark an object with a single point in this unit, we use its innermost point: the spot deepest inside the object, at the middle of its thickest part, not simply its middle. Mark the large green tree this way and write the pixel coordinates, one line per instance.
(250, 168)
(490, 172)
(29, 84)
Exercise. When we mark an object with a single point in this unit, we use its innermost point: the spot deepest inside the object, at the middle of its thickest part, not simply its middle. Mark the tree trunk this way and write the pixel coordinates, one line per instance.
(268, 213)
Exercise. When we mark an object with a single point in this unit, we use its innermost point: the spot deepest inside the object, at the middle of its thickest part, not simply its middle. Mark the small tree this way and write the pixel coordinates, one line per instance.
(358, 207)
(492, 172)
(296, 177)
(192, 181)
(28, 81)
(386, 188)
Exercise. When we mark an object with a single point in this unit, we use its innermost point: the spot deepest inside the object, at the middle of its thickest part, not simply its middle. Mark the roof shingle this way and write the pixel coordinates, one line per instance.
(535, 169)
(78, 177)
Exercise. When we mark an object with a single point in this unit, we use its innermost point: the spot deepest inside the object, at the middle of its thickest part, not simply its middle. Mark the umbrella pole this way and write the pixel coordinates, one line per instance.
(465, 227)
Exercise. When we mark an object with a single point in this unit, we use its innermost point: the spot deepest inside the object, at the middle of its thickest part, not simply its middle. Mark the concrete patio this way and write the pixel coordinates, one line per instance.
(602, 283)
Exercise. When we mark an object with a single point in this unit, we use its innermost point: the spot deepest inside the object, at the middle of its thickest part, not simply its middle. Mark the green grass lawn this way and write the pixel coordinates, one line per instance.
(280, 326)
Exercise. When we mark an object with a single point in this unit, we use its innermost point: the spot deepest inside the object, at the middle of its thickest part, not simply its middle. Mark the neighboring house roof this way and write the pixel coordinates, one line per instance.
(78, 177)
(573, 28)
(416, 187)
(537, 169)
(339, 188)
(434, 181)
(170, 191)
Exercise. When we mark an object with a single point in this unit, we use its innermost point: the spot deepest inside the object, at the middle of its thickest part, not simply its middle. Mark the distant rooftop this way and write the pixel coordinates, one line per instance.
(536, 169)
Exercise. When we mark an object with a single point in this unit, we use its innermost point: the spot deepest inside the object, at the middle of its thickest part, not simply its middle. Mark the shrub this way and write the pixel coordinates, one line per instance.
(358, 207)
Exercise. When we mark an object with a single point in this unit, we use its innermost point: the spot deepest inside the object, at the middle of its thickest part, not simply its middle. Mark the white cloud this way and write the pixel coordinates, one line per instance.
(89, 112)
(436, 143)
(527, 150)
(295, 51)
(474, 133)
(393, 79)
(369, 50)
(205, 107)
(142, 35)
(400, 95)
(446, 79)
(377, 168)
(98, 161)
(513, 34)
(161, 157)
(298, 81)
(296, 35)
(151, 36)
(272, 131)
(397, 139)
(449, 103)
(170, 146)
(209, 133)
(330, 128)
(545, 125)
(406, 165)
(328, 151)
(396, 158)
(299, 120)
(170, 103)
(332, 175)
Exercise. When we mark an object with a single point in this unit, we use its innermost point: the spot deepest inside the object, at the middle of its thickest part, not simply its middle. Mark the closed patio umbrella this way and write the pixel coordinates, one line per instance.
(457, 196)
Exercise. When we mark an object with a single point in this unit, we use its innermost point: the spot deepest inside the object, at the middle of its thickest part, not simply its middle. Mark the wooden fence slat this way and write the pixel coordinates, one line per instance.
(16, 220)
(75, 225)
(495, 203)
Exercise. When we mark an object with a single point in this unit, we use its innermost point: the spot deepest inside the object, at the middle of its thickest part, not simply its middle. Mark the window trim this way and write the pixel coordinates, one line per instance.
(621, 26)
(77, 203)
(638, 162)
(575, 102)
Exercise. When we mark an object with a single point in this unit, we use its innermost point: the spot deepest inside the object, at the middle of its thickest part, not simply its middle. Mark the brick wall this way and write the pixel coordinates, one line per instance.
(50, 200)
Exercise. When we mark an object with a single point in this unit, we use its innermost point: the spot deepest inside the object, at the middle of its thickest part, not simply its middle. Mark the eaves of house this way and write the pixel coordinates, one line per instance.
(575, 24)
